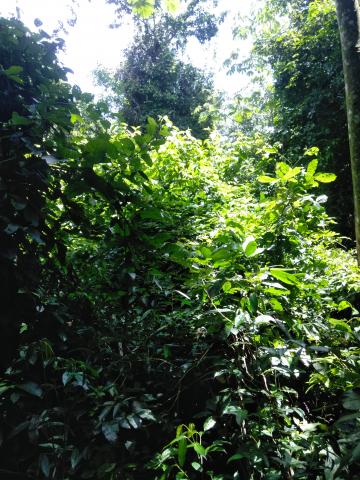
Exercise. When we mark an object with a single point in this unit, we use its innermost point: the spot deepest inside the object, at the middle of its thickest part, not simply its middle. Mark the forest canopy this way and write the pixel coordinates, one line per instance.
(180, 286)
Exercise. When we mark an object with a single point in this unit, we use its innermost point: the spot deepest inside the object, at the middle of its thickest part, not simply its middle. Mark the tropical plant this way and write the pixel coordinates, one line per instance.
(297, 42)
(186, 325)
(35, 109)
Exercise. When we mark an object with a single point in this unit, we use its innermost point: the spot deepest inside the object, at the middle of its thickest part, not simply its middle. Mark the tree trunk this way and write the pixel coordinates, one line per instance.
(348, 15)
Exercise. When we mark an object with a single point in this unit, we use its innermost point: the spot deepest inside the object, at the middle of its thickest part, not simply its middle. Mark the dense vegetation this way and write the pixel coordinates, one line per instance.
(298, 41)
(154, 81)
(172, 308)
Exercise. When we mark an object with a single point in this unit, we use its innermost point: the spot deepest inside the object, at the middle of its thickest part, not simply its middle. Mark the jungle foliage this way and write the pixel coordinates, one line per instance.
(298, 42)
(164, 319)
(154, 81)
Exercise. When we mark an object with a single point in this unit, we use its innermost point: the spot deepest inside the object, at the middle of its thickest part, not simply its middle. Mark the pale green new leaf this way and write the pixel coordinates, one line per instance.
(325, 177)
(311, 168)
(172, 6)
(144, 8)
(267, 179)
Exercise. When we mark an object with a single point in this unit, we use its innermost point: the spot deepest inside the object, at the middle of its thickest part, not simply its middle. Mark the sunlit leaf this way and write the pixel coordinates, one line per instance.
(311, 168)
(325, 177)
(172, 6)
(249, 246)
(144, 8)
(209, 423)
(340, 325)
(284, 276)
(267, 179)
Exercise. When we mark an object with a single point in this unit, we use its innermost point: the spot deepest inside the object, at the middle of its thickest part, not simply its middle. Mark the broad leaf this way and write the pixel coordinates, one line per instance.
(325, 177)
(284, 276)
(249, 246)
(32, 388)
(209, 423)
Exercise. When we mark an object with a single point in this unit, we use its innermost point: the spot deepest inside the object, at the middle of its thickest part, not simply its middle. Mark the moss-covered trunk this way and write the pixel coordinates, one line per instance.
(349, 23)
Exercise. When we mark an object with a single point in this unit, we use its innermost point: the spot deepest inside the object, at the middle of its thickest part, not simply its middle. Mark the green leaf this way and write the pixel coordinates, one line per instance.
(151, 126)
(293, 172)
(182, 294)
(199, 449)
(196, 466)
(182, 449)
(311, 168)
(19, 204)
(75, 117)
(236, 456)
(249, 246)
(134, 421)
(66, 377)
(311, 152)
(16, 79)
(205, 251)
(282, 169)
(96, 150)
(277, 291)
(240, 413)
(146, 414)
(13, 70)
(325, 177)
(209, 423)
(276, 305)
(105, 468)
(253, 303)
(159, 239)
(152, 213)
(4, 388)
(125, 146)
(75, 458)
(340, 325)
(226, 286)
(308, 427)
(343, 305)
(45, 465)
(13, 74)
(172, 6)
(32, 388)
(351, 400)
(144, 8)
(110, 431)
(355, 454)
(348, 419)
(284, 276)
(221, 253)
(267, 179)
(147, 159)
(17, 119)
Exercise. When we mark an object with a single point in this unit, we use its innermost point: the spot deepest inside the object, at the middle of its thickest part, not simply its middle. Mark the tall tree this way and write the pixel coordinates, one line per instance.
(298, 41)
(349, 26)
(153, 80)
(35, 111)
